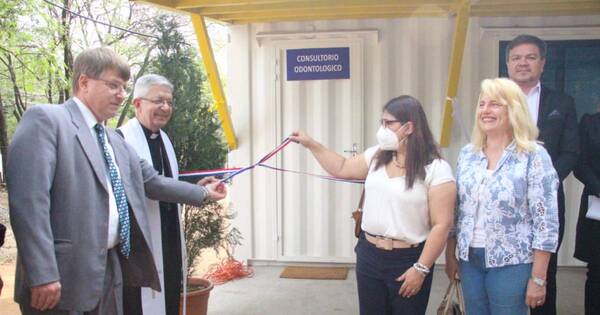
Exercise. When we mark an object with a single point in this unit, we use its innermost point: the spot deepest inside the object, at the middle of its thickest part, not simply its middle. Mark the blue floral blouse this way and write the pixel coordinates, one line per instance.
(520, 206)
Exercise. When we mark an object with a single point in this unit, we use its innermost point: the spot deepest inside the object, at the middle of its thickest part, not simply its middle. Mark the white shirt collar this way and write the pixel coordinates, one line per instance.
(88, 116)
(536, 89)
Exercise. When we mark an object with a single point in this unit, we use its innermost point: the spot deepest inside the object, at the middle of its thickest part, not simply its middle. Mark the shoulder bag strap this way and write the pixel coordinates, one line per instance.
(362, 200)
(362, 195)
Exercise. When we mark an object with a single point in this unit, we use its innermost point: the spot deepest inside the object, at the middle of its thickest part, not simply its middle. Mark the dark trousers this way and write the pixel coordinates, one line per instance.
(376, 273)
(132, 298)
(110, 302)
(592, 290)
(172, 273)
(549, 307)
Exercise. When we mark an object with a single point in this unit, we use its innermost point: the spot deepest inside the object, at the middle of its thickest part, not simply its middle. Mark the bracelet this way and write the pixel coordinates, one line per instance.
(538, 281)
(421, 268)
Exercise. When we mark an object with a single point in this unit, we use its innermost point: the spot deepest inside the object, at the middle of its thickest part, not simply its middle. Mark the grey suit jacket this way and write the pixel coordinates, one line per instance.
(58, 202)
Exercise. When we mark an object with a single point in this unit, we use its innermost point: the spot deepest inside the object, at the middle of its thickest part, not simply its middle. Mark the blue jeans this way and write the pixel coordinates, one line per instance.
(492, 291)
(376, 273)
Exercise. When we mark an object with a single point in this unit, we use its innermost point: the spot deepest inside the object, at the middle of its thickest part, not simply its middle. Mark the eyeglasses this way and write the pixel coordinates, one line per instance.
(386, 122)
(115, 87)
(159, 102)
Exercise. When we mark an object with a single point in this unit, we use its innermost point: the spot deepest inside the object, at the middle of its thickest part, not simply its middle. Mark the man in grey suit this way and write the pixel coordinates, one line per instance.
(77, 198)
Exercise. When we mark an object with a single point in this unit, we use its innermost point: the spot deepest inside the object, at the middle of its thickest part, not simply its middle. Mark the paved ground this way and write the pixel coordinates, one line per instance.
(268, 294)
(7, 306)
(8, 254)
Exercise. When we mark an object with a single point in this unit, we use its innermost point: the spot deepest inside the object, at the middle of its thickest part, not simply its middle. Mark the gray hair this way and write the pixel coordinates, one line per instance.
(145, 82)
(92, 62)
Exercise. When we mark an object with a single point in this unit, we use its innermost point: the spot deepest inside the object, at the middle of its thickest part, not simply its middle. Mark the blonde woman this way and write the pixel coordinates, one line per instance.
(507, 216)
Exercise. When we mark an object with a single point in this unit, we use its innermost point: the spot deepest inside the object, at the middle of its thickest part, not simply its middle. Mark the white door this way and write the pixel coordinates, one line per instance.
(314, 215)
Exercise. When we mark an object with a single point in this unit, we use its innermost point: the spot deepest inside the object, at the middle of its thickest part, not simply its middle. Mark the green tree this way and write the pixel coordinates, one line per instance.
(194, 127)
(197, 137)
(38, 41)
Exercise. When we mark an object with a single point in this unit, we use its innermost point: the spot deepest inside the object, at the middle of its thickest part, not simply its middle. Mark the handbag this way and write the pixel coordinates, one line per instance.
(357, 215)
(449, 306)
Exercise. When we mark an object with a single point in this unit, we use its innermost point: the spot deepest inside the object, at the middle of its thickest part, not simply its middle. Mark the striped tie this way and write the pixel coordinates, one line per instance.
(120, 198)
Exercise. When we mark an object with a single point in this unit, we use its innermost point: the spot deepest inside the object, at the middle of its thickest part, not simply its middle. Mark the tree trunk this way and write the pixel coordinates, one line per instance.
(3, 140)
(49, 85)
(67, 53)
(61, 92)
(20, 107)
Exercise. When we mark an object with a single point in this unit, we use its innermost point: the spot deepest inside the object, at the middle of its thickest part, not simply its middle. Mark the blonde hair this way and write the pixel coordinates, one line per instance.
(509, 94)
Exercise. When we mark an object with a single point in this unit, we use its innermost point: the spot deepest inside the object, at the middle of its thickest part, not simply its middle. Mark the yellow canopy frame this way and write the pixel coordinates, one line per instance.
(214, 79)
(254, 11)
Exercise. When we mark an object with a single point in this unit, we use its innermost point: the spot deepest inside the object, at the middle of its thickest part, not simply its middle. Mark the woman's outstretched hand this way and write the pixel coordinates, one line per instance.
(301, 138)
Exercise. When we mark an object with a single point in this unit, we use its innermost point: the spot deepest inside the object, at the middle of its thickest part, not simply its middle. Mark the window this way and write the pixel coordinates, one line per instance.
(573, 67)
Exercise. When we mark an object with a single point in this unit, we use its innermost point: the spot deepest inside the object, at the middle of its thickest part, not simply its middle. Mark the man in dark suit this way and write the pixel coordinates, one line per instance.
(77, 198)
(554, 114)
(588, 225)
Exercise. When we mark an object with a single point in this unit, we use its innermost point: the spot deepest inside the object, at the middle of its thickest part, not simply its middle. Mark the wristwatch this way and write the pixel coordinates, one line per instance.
(539, 281)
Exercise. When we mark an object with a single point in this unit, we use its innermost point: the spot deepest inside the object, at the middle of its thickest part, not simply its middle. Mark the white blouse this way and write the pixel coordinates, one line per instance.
(479, 235)
(391, 210)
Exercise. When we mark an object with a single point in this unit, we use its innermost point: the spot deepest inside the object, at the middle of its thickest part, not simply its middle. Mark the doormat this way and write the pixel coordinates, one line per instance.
(320, 273)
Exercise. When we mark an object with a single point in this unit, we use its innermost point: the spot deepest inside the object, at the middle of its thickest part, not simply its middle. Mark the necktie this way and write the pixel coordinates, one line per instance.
(117, 188)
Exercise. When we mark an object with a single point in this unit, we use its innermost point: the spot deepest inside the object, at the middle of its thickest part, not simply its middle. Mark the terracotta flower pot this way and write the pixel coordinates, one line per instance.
(197, 300)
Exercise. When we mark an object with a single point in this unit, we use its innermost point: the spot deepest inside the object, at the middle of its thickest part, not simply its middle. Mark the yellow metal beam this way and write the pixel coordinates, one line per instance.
(219, 9)
(333, 8)
(323, 4)
(550, 8)
(214, 79)
(458, 46)
(189, 4)
(333, 17)
(320, 13)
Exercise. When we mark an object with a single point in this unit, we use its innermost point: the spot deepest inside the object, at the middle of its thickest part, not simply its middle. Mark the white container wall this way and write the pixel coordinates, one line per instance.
(288, 217)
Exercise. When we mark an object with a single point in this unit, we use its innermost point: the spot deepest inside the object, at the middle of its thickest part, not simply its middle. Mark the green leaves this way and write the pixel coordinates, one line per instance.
(194, 128)
(196, 135)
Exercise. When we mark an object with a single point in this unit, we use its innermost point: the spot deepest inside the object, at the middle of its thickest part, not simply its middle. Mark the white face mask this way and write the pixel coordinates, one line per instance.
(387, 139)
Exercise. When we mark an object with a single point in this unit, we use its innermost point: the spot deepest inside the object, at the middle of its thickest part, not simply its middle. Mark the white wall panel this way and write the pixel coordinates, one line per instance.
(410, 57)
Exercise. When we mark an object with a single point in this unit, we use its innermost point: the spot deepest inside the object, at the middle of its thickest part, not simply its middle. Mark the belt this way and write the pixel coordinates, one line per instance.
(387, 243)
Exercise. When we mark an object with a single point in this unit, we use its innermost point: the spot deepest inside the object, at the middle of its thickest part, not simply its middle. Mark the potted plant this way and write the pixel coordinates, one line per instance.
(204, 227)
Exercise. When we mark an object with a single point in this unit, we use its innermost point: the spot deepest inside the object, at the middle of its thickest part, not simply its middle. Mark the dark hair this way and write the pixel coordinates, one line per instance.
(527, 39)
(92, 62)
(421, 149)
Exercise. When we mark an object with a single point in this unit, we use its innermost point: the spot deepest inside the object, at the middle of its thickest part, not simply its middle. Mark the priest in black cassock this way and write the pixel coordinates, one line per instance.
(153, 101)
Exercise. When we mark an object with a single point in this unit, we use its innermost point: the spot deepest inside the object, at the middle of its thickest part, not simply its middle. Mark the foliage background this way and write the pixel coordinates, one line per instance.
(194, 127)
(39, 39)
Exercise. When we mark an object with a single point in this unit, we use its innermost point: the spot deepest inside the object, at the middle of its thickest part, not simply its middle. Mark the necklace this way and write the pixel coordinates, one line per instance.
(395, 161)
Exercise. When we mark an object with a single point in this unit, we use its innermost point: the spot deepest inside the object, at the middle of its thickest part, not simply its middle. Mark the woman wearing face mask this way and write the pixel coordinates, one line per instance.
(408, 208)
